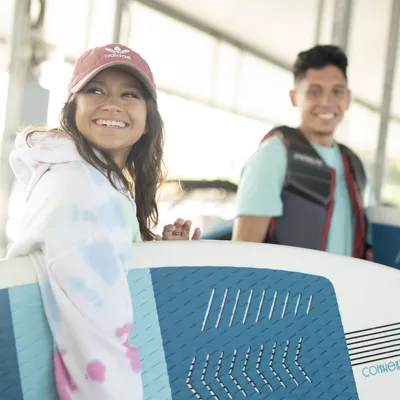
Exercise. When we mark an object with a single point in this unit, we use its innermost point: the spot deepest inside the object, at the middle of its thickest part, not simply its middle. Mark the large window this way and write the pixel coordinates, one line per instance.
(57, 84)
(181, 57)
(217, 100)
(73, 26)
(206, 143)
(101, 22)
(263, 90)
(6, 18)
(226, 76)
(359, 131)
(64, 26)
(369, 25)
(4, 57)
(192, 64)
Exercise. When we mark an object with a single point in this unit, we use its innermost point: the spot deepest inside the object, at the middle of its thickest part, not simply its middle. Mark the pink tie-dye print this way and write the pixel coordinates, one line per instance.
(37, 164)
(96, 371)
(63, 381)
(125, 330)
(132, 353)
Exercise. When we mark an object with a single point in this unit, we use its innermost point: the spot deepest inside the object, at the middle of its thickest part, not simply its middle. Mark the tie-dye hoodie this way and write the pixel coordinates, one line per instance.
(78, 231)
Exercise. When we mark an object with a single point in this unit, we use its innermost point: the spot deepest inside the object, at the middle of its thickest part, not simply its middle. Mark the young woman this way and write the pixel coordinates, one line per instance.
(91, 191)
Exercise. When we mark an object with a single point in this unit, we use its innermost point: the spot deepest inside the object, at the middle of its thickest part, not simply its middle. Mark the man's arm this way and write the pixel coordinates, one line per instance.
(250, 229)
(259, 193)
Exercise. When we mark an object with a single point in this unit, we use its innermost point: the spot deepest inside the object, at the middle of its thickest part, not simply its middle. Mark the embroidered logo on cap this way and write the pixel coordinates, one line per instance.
(117, 52)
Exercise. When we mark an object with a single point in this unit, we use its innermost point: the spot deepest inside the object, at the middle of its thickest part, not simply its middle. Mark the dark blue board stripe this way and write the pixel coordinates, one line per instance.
(10, 383)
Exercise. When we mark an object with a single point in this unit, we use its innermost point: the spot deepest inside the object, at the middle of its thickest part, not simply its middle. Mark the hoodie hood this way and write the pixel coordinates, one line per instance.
(30, 162)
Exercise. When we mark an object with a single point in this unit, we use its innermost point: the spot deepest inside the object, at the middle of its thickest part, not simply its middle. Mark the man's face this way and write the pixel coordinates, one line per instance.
(322, 98)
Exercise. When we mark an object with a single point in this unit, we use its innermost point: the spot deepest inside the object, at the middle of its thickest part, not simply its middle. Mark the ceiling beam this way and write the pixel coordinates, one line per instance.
(247, 47)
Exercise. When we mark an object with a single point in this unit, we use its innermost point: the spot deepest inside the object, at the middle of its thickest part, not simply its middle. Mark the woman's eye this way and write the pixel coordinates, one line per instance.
(94, 91)
(131, 95)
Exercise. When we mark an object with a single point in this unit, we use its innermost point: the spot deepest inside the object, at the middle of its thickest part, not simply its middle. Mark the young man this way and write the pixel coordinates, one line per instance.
(301, 188)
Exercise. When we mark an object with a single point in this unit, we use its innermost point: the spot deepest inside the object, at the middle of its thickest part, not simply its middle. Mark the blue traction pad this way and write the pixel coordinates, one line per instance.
(203, 333)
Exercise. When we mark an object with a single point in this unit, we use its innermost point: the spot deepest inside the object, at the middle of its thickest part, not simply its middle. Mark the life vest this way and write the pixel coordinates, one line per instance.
(309, 193)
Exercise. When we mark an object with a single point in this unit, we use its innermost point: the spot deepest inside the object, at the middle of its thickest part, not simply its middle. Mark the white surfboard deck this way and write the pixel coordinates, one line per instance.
(366, 294)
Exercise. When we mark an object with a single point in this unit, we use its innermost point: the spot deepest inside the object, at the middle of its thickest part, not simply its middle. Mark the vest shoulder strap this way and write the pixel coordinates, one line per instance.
(356, 169)
(288, 134)
(295, 143)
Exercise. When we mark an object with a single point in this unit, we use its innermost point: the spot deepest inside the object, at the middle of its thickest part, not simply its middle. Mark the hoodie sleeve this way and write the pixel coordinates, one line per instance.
(82, 229)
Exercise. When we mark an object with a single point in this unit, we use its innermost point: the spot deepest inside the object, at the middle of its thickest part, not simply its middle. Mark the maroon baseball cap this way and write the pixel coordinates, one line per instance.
(98, 59)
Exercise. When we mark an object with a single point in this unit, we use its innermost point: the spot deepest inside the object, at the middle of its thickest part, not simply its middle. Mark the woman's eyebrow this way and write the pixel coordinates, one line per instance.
(98, 82)
(131, 85)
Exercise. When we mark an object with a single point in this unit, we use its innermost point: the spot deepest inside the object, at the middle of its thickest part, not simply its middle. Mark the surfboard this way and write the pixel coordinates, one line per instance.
(222, 320)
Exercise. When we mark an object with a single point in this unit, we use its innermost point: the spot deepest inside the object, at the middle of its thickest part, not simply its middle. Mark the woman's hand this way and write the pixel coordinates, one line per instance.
(180, 230)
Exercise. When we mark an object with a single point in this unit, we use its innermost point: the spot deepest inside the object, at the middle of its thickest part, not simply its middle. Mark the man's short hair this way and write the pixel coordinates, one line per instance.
(319, 57)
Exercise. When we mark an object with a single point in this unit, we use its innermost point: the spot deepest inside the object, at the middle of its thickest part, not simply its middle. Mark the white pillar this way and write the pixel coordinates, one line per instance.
(389, 77)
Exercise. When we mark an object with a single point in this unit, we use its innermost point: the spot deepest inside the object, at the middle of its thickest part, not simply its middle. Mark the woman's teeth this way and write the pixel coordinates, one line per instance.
(110, 123)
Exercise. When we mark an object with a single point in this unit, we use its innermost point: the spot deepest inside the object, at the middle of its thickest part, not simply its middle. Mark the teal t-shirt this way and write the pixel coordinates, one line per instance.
(261, 185)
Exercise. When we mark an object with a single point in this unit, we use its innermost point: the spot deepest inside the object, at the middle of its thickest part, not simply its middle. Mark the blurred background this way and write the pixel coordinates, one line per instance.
(222, 68)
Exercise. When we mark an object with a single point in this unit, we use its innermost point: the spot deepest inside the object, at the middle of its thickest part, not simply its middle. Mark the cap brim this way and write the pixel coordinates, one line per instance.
(116, 64)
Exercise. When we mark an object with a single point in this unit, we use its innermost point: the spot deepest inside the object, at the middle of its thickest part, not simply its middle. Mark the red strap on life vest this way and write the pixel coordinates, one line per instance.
(360, 231)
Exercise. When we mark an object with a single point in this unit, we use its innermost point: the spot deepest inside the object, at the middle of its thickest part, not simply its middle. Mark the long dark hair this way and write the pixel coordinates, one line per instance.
(143, 173)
